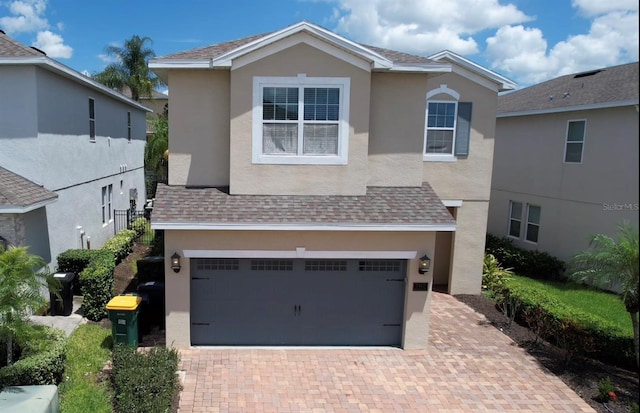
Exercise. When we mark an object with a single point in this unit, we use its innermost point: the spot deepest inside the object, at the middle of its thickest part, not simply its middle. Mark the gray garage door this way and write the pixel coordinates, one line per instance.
(296, 302)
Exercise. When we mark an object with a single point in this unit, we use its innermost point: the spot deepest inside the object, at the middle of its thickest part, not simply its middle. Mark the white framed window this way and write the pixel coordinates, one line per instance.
(107, 201)
(92, 119)
(129, 126)
(447, 126)
(574, 145)
(300, 120)
(533, 223)
(515, 219)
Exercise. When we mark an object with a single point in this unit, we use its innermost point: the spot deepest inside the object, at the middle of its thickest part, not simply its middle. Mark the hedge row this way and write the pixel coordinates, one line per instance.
(144, 382)
(530, 263)
(139, 226)
(121, 244)
(42, 360)
(96, 285)
(578, 333)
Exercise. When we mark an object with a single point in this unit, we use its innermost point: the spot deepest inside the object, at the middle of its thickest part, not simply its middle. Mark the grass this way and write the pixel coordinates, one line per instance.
(598, 303)
(81, 390)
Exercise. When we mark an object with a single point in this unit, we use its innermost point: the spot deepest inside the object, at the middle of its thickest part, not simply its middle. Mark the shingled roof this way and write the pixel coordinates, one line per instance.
(381, 206)
(11, 48)
(213, 51)
(617, 85)
(18, 194)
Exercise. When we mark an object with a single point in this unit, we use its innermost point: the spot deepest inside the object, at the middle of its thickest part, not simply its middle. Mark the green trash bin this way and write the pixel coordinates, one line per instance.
(123, 314)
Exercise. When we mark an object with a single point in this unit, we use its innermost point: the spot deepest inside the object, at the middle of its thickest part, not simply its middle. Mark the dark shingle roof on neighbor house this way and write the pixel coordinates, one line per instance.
(17, 192)
(617, 85)
(12, 48)
(381, 206)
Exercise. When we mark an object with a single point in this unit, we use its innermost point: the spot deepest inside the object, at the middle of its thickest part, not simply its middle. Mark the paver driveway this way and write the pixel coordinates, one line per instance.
(469, 367)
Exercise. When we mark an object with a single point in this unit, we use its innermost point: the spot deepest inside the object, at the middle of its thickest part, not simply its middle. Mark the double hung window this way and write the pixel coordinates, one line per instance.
(300, 120)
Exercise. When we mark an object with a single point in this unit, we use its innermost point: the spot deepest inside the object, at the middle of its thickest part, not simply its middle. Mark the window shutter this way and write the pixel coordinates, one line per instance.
(463, 129)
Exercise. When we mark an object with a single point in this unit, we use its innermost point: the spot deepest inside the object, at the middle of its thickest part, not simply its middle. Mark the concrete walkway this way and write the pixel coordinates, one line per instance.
(65, 323)
(469, 367)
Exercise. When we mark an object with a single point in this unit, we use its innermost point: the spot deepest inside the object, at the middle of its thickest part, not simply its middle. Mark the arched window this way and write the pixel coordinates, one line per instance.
(448, 125)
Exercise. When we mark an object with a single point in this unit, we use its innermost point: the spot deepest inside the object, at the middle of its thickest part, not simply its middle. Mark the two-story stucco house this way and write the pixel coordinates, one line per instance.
(566, 160)
(71, 151)
(308, 174)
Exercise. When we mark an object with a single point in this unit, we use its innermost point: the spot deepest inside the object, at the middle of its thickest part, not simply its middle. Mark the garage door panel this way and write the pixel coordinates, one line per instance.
(297, 302)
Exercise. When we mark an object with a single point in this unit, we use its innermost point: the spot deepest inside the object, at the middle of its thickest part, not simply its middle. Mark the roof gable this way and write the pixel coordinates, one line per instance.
(226, 55)
(606, 87)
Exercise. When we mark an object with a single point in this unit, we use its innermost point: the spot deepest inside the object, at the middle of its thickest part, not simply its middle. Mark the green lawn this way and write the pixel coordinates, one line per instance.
(81, 391)
(601, 304)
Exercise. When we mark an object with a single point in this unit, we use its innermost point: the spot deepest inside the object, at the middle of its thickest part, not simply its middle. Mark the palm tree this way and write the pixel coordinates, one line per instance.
(613, 261)
(22, 277)
(155, 152)
(131, 68)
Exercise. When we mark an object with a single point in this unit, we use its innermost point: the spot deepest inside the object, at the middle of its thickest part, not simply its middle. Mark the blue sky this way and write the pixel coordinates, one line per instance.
(528, 41)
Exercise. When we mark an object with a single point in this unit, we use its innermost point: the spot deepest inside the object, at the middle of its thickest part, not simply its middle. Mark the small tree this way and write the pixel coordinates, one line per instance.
(613, 261)
(22, 276)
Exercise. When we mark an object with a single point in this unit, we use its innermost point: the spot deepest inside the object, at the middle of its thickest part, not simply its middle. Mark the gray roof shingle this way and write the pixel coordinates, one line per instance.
(213, 51)
(16, 191)
(11, 48)
(607, 85)
(380, 206)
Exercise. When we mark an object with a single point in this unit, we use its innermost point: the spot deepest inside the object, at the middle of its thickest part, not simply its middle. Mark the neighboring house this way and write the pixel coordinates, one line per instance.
(566, 160)
(157, 102)
(304, 188)
(71, 151)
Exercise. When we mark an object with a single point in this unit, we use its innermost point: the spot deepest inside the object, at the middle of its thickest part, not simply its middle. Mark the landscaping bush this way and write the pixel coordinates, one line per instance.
(575, 331)
(530, 263)
(144, 382)
(139, 226)
(97, 285)
(121, 244)
(42, 359)
(76, 261)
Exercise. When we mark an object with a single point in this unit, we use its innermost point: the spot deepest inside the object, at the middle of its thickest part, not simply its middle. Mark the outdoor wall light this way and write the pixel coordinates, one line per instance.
(175, 262)
(424, 265)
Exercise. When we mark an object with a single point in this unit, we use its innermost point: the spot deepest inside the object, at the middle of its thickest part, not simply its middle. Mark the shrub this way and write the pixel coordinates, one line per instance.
(121, 244)
(42, 360)
(576, 332)
(97, 285)
(606, 390)
(139, 226)
(76, 261)
(493, 275)
(144, 382)
(530, 263)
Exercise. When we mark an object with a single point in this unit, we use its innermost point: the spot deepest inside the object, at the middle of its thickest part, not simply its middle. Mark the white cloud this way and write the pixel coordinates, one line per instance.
(523, 53)
(592, 8)
(53, 45)
(27, 16)
(423, 26)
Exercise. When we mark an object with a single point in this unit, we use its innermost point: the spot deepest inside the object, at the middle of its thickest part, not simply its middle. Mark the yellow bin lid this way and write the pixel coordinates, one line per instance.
(124, 302)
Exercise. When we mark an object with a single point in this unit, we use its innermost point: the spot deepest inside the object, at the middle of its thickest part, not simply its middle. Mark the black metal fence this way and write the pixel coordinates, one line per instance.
(123, 218)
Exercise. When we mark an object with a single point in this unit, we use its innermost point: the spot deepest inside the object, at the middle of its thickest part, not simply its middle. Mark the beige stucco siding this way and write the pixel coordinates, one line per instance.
(397, 129)
(470, 177)
(416, 328)
(468, 248)
(249, 178)
(199, 128)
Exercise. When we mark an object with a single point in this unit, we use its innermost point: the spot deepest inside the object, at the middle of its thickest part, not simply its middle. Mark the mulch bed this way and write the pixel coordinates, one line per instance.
(582, 375)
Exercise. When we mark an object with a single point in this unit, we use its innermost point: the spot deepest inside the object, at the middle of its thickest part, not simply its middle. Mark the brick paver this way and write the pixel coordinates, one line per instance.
(469, 367)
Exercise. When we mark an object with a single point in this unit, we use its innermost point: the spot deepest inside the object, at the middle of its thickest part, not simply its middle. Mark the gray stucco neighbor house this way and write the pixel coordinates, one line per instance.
(565, 164)
(71, 151)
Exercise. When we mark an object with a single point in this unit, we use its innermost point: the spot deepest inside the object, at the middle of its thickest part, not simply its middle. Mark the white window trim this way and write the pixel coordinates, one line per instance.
(566, 141)
(511, 218)
(440, 157)
(526, 230)
(260, 82)
(106, 193)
